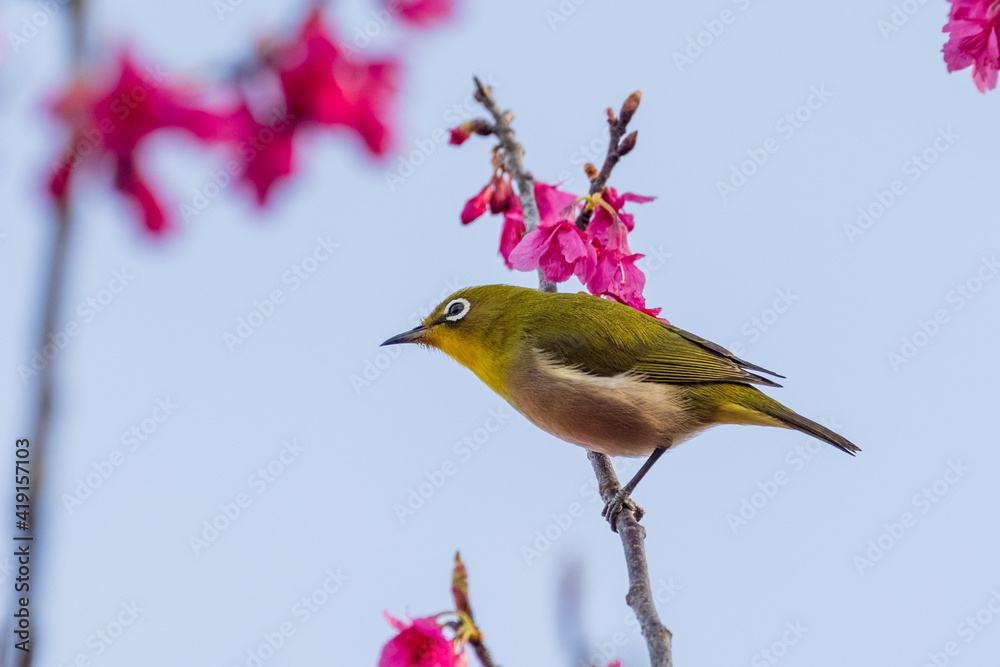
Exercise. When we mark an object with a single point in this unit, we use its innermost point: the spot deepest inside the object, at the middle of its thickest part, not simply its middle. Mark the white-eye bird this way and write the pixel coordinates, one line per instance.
(601, 374)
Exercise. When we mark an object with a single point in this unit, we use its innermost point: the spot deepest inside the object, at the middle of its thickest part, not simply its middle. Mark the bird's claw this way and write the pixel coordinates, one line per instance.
(621, 501)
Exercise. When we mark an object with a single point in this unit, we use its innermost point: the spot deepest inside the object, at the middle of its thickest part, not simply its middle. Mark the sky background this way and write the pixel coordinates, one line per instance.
(806, 558)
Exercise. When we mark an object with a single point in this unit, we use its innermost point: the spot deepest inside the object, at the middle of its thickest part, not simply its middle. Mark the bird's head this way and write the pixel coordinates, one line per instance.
(474, 326)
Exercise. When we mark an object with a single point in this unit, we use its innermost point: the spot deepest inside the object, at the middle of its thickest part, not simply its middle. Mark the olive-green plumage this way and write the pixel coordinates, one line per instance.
(601, 374)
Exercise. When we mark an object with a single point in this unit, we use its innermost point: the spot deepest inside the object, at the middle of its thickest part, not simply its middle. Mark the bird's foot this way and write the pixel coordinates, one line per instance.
(621, 501)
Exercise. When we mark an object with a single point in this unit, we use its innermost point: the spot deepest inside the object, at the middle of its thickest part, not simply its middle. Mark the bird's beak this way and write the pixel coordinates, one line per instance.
(411, 336)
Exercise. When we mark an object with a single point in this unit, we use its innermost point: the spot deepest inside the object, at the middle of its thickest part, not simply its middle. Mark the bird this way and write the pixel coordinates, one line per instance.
(603, 375)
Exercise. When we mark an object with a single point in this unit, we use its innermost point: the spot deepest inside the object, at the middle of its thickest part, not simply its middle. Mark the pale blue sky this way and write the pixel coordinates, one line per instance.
(774, 270)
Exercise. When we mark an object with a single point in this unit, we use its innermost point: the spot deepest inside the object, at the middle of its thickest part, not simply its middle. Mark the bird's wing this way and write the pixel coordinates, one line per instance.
(683, 358)
(663, 354)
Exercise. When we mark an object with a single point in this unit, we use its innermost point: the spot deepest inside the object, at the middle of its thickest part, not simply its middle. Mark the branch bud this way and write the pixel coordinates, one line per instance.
(629, 107)
(627, 144)
(481, 126)
(590, 170)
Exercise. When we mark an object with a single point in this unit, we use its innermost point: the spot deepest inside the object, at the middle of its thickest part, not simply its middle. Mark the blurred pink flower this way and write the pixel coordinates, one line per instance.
(560, 249)
(459, 135)
(420, 644)
(323, 84)
(424, 13)
(130, 183)
(114, 119)
(267, 153)
(973, 26)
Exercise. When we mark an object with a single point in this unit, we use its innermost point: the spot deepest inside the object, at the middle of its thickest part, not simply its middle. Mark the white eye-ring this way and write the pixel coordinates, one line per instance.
(456, 310)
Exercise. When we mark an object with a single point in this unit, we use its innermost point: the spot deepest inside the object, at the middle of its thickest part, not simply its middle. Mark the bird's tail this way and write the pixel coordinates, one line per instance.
(743, 404)
(800, 423)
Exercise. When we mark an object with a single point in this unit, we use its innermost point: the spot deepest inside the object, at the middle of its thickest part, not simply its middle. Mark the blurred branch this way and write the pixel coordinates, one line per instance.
(52, 299)
(640, 594)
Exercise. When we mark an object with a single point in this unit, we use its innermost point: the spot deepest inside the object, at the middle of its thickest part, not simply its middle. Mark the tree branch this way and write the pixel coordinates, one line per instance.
(510, 155)
(617, 148)
(640, 594)
(52, 299)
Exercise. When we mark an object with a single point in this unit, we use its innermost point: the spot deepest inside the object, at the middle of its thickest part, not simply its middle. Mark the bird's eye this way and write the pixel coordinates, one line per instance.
(456, 310)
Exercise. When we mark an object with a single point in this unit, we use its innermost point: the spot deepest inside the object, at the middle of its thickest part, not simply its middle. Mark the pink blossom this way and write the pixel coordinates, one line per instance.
(425, 13)
(552, 202)
(513, 230)
(497, 195)
(502, 196)
(265, 163)
(973, 26)
(459, 135)
(602, 219)
(420, 644)
(559, 249)
(616, 271)
(113, 120)
(477, 204)
(322, 84)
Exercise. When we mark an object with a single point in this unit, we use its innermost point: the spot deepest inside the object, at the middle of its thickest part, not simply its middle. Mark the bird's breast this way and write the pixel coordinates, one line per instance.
(619, 415)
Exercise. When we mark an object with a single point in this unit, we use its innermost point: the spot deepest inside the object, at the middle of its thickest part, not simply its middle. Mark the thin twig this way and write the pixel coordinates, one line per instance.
(482, 653)
(510, 154)
(640, 594)
(617, 147)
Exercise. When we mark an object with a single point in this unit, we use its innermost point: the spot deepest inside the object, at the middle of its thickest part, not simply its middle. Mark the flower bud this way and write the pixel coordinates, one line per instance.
(629, 107)
(627, 144)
